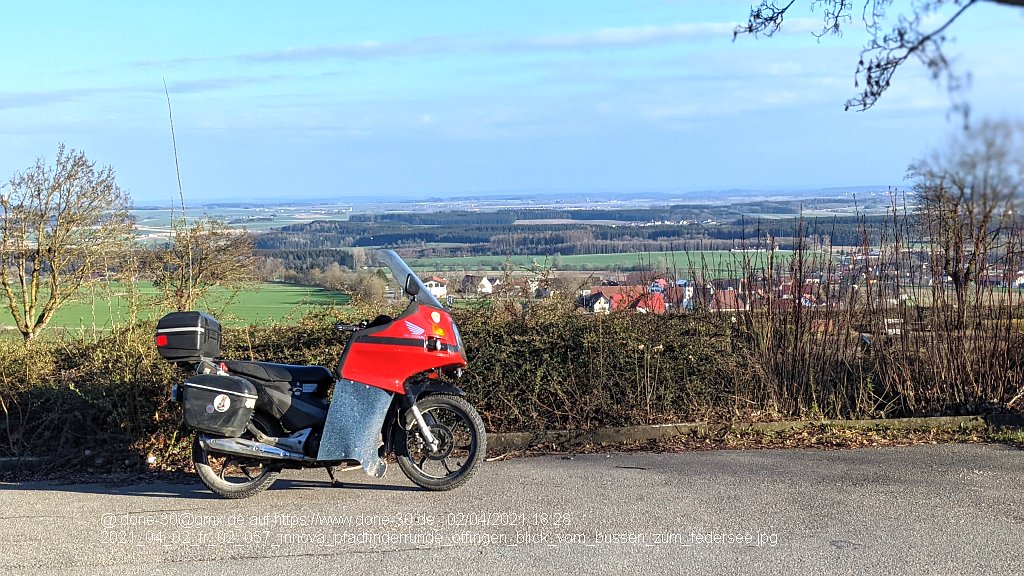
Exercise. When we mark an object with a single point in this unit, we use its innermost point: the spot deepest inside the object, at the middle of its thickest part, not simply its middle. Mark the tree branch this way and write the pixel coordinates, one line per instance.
(765, 18)
(895, 48)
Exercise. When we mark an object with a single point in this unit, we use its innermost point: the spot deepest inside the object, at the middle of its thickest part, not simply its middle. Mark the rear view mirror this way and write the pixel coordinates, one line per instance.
(412, 287)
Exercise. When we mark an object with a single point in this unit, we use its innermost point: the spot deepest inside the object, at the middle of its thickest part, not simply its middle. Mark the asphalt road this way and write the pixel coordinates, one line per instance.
(943, 509)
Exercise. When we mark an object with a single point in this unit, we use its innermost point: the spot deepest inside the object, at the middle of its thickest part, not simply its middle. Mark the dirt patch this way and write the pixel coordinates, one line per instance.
(812, 437)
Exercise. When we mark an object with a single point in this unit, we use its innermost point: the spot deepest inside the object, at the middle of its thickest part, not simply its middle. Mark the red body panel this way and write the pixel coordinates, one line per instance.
(388, 355)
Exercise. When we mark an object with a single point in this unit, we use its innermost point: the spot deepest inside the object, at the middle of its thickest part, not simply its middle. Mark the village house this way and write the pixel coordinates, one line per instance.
(649, 303)
(725, 284)
(998, 278)
(728, 301)
(679, 296)
(595, 303)
(437, 286)
(789, 288)
(473, 284)
(637, 298)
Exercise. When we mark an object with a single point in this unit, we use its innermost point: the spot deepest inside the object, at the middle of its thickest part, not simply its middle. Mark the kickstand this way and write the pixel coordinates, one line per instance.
(330, 472)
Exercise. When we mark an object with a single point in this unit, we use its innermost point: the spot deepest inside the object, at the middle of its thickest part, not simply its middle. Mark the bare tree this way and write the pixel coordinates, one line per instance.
(202, 255)
(61, 226)
(968, 191)
(919, 32)
(364, 285)
(272, 269)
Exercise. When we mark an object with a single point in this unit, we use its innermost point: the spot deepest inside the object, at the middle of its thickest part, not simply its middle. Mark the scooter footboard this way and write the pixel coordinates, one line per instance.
(354, 422)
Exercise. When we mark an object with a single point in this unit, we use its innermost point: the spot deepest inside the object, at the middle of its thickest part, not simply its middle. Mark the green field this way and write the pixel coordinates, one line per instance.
(104, 305)
(680, 261)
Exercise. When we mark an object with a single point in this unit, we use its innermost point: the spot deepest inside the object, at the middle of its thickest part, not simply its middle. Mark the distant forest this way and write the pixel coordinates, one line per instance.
(470, 233)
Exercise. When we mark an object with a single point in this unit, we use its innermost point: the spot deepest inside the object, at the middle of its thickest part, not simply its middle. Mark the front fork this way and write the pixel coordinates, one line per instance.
(428, 437)
(415, 389)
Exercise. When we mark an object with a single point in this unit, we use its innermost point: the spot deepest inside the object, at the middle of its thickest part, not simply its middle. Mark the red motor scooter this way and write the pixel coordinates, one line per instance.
(254, 419)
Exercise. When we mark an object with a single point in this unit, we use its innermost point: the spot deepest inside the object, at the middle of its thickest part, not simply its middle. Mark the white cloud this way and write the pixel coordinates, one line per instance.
(367, 50)
(431, 45)
(630, 36)
(633, 36)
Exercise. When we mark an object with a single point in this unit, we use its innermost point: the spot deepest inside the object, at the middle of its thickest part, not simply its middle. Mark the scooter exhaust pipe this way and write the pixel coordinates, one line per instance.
(248, 448)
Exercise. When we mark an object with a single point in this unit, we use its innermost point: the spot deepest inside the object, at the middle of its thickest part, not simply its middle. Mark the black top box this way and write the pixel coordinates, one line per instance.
(188, 337)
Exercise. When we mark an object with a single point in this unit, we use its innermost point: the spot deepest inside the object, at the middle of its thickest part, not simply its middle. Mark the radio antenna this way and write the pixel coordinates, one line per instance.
(187, 275)
(174, 146)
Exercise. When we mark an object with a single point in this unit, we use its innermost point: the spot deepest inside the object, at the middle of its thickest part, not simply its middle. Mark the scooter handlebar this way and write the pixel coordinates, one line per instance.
(347, 327)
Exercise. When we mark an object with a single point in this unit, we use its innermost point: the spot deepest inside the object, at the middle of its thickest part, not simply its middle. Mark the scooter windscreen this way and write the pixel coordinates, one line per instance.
(406, 278)
(411, 284)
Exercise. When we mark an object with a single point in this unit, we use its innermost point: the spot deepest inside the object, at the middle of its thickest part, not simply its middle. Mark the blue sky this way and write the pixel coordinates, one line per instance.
(277, 100)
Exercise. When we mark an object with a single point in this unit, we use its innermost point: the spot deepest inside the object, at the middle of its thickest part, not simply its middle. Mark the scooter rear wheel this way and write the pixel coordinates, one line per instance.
(234, 477)
(462, 438)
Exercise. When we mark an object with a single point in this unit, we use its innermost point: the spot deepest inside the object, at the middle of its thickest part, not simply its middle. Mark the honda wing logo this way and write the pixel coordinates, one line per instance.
(414, 329)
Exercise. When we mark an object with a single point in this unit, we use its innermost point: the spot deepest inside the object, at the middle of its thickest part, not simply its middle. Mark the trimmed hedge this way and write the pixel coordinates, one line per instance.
(101, 401)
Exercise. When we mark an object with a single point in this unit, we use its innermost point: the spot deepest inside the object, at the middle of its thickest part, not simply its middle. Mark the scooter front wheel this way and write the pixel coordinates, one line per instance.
(462, 444)
(233, 477)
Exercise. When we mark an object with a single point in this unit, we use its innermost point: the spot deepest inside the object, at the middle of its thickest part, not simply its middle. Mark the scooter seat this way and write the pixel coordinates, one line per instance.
(285, 373)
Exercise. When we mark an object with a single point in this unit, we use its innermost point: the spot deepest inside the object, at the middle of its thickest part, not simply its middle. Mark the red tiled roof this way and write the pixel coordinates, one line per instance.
(647, 302)
(727, 300)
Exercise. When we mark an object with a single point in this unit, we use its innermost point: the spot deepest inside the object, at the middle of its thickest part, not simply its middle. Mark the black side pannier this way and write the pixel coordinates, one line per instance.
(188, 337)
(218, 404)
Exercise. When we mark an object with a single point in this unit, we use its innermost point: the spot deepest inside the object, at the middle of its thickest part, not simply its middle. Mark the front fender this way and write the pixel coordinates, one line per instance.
(428, 386)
